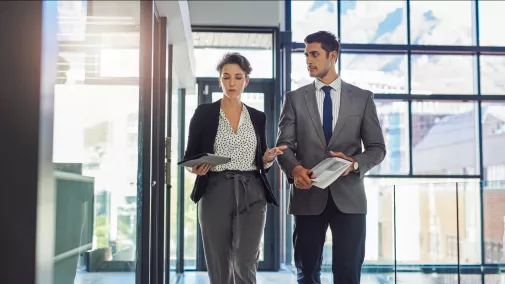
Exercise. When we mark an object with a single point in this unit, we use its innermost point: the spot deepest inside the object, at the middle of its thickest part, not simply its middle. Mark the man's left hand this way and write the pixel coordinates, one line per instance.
(341, 155)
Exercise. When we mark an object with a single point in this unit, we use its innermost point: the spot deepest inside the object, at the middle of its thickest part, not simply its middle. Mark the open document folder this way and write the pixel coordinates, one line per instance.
(205, 158)
(329, 170)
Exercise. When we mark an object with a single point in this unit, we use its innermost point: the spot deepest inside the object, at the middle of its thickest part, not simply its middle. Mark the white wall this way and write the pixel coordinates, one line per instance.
(237, 13)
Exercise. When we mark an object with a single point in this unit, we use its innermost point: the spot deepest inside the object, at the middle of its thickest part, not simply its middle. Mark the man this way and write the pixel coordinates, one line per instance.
(328, 118)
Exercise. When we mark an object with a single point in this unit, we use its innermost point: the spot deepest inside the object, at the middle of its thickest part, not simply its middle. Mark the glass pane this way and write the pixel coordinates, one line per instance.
(384, 74)
(443, 74)
(492, 79)
(174, 195)
(444, 138)
(254, 100)
(299, 74)
(96, 145)
(490, 21)
(426, 212)
(190, 211)
(493, 138)
(382, 22)
(441, 22)
(394, 119)
(210, 47)
(311, 16)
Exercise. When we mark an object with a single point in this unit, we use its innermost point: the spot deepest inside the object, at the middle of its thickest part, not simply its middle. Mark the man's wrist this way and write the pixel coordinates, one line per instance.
(355, 165)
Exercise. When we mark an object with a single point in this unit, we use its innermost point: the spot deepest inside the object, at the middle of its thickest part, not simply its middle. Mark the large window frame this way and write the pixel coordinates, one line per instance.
(409, 50)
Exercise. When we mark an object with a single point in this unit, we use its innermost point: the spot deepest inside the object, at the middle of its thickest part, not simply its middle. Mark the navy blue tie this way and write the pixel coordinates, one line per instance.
(327, 113)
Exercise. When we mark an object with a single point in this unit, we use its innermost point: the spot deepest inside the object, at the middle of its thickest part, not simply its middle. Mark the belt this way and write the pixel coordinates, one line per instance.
(240, 181)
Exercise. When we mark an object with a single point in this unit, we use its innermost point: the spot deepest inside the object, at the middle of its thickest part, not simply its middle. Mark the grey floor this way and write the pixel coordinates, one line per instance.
(285, 277)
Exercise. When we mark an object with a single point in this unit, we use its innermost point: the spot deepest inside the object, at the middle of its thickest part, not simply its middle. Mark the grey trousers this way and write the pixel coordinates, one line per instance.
(232, 215)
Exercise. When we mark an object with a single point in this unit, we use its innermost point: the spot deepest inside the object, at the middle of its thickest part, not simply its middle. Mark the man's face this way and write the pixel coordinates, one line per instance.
(318, 62)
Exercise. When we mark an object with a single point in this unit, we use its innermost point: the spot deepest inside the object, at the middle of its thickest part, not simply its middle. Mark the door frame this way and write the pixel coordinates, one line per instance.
(150, 262)
(206, 86)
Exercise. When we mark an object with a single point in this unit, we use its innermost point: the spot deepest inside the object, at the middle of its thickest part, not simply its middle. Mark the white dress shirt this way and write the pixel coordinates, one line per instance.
(336, 88)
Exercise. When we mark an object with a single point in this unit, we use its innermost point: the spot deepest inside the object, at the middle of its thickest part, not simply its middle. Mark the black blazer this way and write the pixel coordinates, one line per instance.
(202, 135)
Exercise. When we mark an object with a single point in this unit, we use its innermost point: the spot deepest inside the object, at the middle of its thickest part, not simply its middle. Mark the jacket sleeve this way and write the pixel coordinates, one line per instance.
(287, 136)
(193, 146)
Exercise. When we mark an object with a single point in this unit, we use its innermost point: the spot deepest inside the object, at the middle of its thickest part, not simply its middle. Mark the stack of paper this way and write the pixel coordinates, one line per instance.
(329, 171)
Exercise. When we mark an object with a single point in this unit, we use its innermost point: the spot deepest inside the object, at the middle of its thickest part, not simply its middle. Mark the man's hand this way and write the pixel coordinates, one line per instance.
(201, 170)
(341, 155)
(302, 177)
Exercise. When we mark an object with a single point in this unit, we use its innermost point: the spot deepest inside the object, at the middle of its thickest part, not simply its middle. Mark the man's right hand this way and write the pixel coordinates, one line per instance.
(302, 177)
(201, 170)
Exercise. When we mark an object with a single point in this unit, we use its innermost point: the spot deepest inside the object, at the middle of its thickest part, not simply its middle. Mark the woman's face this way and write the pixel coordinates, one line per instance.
(233, 81)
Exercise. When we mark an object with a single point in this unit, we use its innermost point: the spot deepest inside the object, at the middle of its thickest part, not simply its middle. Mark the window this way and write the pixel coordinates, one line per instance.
(210, 47)
(490, 21)
(381, 22)
(492, 79)
(377, 73)
(443, 74)
(444, 138)
(437, 23)
(312, 16)
(393, 116)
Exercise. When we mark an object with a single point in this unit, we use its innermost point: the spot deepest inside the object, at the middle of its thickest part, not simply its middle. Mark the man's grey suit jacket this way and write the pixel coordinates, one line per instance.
(300, 129)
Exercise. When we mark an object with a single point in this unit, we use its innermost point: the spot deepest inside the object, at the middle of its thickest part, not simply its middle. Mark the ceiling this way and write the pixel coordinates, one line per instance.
(232, 40)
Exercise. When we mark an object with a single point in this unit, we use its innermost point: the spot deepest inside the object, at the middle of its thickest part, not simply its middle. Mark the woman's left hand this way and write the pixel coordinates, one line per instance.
(271, 154)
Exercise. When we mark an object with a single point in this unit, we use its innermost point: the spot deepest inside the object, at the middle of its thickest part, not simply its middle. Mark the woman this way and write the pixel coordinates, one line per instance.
(232, 198)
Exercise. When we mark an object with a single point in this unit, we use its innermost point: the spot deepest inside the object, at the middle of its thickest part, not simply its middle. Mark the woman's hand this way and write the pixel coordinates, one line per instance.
(271, 154)
(201, 170)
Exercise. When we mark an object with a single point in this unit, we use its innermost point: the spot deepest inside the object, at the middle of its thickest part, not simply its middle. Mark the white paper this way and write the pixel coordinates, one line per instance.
(329, 170)
(210, 159)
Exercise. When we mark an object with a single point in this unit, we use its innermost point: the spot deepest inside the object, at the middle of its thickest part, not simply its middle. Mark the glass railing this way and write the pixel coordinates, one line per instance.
(426, 231)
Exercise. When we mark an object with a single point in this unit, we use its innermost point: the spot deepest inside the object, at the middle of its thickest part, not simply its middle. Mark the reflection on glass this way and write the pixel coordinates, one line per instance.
(492, 79)
(493, 137)
(441, 22)
(95, 144)
(444, 138)
(443, 74)
(311, 16)
(379, 22)
(378, 73)
(394, 120)
(490, 21)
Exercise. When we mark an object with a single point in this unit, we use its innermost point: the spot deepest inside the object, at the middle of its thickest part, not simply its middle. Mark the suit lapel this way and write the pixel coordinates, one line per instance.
(311, 102)
(344, 110)
(213, 124)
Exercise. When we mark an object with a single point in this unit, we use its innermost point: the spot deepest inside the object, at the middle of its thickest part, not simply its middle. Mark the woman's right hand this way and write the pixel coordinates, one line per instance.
(202, 169)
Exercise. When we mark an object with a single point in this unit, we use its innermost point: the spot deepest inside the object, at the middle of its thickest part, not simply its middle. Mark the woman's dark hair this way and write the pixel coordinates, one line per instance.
(328, 41)
(235, 58)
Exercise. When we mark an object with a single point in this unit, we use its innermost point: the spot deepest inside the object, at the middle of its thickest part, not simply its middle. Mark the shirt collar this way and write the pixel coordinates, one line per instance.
(244, 111)
(335, 85)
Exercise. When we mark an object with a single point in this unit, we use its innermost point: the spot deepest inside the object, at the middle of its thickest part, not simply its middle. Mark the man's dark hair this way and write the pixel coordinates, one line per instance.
(329, 42)
(235, 58)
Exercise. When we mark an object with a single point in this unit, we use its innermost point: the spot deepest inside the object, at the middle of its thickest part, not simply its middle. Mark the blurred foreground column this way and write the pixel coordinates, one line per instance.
(28, 54)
